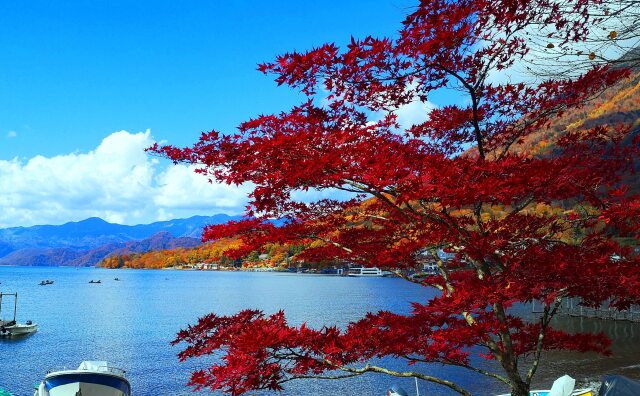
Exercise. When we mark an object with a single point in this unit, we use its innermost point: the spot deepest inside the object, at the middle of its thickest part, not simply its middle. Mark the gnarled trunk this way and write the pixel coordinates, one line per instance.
(518, 386)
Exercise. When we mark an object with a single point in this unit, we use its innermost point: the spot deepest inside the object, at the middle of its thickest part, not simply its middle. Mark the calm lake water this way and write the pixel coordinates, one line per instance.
(131, 323)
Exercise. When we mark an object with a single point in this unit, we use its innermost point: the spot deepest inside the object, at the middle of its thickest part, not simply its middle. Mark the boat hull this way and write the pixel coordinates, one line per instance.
(577, 392)
(363, 272)
(83, 383)
(18, 330)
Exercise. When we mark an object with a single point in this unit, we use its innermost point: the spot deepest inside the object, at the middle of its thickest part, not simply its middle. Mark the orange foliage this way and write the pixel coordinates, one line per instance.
(207, 253)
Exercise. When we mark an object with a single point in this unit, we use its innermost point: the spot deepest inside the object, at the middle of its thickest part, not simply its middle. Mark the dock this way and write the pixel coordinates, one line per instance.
(573, 307)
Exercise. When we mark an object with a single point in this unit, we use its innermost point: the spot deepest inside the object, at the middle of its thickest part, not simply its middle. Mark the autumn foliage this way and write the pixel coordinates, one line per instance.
(222, 252)
(207, 253)
(524, 225)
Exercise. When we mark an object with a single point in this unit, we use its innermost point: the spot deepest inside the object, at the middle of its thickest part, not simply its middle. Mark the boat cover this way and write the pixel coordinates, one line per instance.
(563, 386)
(396, 390)
(618, 385)
(93, 365)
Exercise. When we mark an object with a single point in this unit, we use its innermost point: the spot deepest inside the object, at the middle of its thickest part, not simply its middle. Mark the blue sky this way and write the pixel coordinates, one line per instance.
(85, 85)
(72, 72)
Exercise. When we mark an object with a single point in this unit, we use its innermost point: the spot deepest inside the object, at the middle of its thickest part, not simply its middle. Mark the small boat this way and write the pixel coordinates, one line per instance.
(18, 329)
(116, 279)
(91, 378)
(396, 390)
(46, 282)
(547, 392)
(563, 386)
(10, 328)
(331, 271)
(618, 385)
(92, 281)
(366, 271)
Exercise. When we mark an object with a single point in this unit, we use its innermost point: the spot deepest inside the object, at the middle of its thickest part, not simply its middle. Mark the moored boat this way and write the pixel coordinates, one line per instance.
(91, 378)
(618, 385)
(331, 271)
(10, 328)
(18, 329)
(547, 392)
(563, 386)
(396, 390)
(367, 271)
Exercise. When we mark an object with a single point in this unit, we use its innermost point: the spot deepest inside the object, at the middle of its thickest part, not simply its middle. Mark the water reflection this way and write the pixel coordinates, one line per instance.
(131, 322)
(590, 366)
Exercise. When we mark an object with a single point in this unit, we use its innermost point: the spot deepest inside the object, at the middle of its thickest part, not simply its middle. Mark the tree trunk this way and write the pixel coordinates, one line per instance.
(520, 391)
(519, 387)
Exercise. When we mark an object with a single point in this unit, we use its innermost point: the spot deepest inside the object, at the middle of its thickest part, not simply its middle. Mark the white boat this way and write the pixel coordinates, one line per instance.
(367, 271)
(547, 392)
(563, 386)
(10, 328)
(18, 329)
(396, 391)
(91, 378)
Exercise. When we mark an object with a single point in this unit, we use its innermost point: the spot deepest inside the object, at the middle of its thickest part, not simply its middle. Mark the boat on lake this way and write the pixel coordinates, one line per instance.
(46, 282)
(331, 271)
(91, 378)
(367, 271)
(9, 327)
(18, 329)
(563, 386)
(547, 392)
(396, 390)
(618, 385)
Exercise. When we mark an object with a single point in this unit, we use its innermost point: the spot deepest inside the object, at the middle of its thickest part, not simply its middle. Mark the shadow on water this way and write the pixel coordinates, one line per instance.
(16, 339)
(625, 358)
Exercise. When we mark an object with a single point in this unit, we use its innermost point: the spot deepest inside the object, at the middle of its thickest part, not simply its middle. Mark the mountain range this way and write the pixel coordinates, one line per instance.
(87, 242)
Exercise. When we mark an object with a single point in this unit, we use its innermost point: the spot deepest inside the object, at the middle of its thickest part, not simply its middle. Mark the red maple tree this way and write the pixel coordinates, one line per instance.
(458, 181)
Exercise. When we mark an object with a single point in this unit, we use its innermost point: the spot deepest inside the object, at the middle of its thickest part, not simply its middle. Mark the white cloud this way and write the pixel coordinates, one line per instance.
(11, 134)
(117, 181)
(413, 113)
(179, 187)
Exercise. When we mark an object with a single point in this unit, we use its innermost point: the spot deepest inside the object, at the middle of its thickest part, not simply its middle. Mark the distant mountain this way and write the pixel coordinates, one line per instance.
(88, 241)
(94, 232)
(77, 257)
(40, 257)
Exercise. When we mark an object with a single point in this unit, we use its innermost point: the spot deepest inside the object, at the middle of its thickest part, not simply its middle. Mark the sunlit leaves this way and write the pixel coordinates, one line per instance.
(520, 224)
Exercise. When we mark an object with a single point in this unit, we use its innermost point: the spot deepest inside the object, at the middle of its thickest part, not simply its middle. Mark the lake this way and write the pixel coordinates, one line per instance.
(131, 323)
